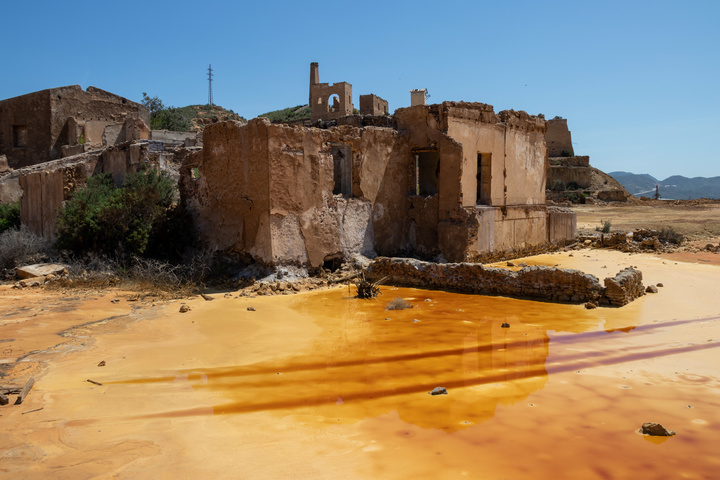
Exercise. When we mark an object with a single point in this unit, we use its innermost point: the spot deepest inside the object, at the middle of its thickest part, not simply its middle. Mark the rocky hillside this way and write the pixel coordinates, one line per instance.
(201, 115)
(676, 187)
(291, 114)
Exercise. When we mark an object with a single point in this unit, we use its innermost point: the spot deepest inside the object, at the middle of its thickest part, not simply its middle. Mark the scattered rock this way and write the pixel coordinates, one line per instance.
(30, 282)
(40, 270)
(184, 308)
(651, 289)
(250, 309)
(511, 264)
(415, 320)
(590, 305)
(506, 325)
(439, 391)
(655, 430)
(523, 265)
(207, 297)
(659, 285)
(115, 300)
(101, 364)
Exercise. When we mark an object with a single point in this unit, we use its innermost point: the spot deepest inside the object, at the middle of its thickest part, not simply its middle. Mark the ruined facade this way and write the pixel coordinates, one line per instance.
(454, 181)
(373, 105)
(328, 101)
(50, 124)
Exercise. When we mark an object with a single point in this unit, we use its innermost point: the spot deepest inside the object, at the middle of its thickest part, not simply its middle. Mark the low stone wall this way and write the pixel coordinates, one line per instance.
(543, 283)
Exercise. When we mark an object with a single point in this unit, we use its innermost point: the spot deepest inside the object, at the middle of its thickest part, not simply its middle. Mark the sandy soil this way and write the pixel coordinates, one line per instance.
(699, 222)
(321, 385)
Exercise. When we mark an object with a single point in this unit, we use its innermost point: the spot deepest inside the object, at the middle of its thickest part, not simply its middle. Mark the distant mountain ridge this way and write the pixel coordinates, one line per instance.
(675, 187)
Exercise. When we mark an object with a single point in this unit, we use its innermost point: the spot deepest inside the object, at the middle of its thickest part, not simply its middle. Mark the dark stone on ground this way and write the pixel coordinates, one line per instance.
(439, 391)
(655, 430)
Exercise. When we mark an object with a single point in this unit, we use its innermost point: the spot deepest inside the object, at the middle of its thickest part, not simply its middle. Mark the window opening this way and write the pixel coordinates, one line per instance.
(20, 136)
(427, 172)
(333, 103)
(342, 169)
(484, 181)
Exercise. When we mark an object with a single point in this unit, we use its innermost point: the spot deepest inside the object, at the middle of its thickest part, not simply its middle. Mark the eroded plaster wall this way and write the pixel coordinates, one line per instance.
(274, 192)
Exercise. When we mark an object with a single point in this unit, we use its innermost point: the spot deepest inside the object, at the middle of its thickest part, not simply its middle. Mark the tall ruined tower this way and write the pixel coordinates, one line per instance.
(314, 79)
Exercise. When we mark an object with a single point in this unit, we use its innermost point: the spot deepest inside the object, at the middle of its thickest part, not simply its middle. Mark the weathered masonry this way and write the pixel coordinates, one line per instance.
(334, 101)
(60, 122)
(453, 181)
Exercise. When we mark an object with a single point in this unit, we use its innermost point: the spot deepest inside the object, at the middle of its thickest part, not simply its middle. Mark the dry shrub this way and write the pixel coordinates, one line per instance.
(20, 246)
(669, 235)
(398, 303)
(149, 276)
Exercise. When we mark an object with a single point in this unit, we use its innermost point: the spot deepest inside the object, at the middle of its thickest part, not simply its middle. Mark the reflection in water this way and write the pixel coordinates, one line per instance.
(368, 362)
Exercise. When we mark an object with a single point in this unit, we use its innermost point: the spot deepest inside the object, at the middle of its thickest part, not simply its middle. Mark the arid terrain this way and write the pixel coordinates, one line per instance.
(324, 385)
(697, 220)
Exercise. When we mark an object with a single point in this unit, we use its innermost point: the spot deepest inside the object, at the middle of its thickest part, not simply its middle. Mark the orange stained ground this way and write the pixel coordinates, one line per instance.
(324, 385)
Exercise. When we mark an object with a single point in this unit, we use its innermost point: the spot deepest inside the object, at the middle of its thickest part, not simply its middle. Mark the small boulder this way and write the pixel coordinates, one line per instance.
(184, 308)
(590, 305)
(439, 391)
(659, 285)
(655, 430)
(651, 289)
(41, 270)
(250, 309)
(505, 325)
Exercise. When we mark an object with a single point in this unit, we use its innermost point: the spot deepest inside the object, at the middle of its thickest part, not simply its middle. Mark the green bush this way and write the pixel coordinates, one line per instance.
(604, 227)
(9, 216)
(105, 219)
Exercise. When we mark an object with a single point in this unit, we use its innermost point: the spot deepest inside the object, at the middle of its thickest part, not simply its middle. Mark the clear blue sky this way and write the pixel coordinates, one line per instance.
(637, 80)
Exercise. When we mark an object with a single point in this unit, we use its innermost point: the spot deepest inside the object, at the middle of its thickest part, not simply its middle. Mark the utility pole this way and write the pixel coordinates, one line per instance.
(210, 77)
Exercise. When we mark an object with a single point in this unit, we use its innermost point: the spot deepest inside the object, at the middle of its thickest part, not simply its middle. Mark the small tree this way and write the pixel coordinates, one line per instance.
(166, 118)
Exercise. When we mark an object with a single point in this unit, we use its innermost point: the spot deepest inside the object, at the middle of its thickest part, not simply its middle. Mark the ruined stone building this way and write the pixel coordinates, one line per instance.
(58, 122)
(453, 181)
(573, 173)
(334, 101)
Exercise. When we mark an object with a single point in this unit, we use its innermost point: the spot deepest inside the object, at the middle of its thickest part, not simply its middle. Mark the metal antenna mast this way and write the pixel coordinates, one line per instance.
(210, 77)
